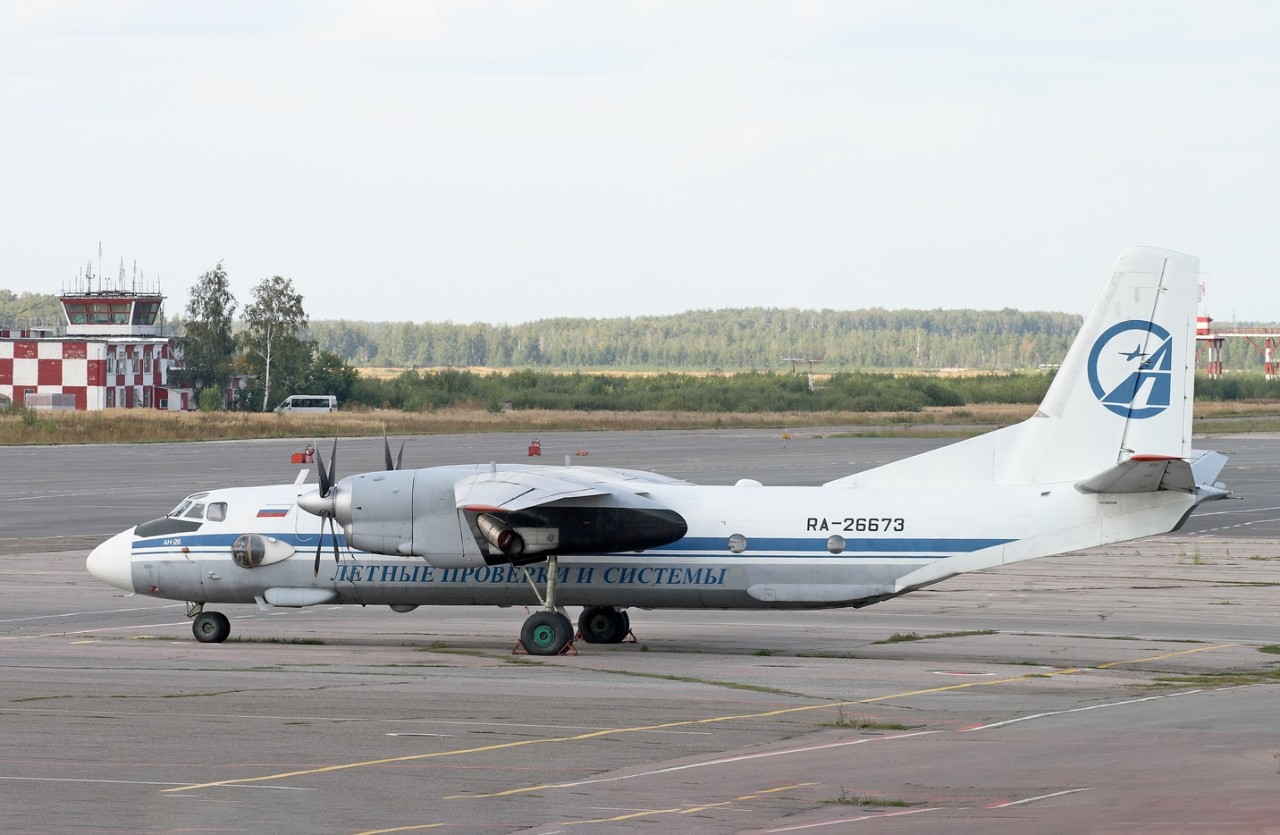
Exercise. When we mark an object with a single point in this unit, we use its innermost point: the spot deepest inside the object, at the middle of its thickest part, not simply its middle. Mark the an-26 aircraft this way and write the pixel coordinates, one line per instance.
(1107, 457)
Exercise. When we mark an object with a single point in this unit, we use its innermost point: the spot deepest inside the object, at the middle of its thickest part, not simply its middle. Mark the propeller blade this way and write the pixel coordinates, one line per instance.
(325, 482)
(386, 452)
(333, 463)
(333, 531)
(315, 572)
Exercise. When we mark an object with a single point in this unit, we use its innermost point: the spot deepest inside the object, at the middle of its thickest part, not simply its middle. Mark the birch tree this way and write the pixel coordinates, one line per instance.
(274, 333)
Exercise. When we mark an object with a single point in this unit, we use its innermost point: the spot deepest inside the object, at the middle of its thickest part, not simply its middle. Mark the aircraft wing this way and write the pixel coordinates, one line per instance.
(519, 489)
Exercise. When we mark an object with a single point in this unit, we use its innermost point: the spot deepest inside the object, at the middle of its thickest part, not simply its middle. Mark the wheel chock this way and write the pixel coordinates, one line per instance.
(629, 638)
(521, 649)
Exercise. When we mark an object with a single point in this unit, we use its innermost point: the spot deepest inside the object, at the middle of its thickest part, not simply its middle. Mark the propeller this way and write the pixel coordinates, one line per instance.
(323, 503)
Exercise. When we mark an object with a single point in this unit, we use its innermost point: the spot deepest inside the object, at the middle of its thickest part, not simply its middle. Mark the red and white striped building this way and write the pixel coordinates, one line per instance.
(109, 355)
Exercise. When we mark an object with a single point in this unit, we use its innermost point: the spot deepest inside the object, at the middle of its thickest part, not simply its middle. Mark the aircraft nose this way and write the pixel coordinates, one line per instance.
(112, 561)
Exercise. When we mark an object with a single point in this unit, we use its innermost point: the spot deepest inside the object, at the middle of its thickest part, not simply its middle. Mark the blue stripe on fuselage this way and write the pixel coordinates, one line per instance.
(214, 540)
(880, 545)
(765, 546)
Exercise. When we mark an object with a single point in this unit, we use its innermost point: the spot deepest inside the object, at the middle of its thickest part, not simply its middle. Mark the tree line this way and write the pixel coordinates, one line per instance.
(273, 349)
(729, 340)
(736, 340)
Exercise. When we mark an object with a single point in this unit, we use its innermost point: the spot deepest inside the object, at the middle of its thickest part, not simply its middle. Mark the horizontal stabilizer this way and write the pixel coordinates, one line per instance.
(1207, 466)
(1142, 474)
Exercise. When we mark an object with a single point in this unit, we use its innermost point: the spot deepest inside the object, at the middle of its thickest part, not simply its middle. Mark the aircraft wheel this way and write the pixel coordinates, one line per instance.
(211, 627)
(603, 625)
(546, 633)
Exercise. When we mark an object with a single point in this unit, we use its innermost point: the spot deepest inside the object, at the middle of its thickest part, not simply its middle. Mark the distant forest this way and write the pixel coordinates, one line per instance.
(736, 340)
(751, 339)
(733, 340)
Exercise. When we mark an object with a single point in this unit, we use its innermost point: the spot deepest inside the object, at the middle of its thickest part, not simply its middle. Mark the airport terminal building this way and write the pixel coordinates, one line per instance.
(109, 354)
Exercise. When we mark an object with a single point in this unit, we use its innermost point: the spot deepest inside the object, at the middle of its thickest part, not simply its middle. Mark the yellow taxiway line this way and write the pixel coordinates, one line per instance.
(504, 746)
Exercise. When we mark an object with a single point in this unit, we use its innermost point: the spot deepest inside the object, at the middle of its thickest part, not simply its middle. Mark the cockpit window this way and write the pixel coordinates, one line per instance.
(216, 512)
(195, 512)
(185, 505)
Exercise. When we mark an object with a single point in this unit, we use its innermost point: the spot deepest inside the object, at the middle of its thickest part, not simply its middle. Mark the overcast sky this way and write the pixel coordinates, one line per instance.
(511, 161)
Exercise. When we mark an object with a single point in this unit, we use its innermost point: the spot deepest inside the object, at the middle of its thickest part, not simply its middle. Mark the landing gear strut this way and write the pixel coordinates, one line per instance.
(549, 631)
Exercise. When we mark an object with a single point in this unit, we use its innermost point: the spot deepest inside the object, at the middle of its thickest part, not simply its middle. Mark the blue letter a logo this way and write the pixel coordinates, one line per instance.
(1130, 392)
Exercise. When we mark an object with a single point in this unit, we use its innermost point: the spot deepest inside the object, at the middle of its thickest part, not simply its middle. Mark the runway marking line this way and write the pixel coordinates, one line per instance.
(785, 711)
(702, 764)
(1124, 703)
(876, 816)
(689, 810)
(1007, 803)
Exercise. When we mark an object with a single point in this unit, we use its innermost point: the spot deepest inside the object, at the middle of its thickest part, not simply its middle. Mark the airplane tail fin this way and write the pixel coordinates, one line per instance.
(1123, 394)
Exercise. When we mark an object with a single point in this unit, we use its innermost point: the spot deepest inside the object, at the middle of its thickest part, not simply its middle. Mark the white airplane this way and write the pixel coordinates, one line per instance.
(1106, 458)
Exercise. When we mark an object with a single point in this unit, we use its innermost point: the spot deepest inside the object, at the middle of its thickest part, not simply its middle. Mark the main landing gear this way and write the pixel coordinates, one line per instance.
(603, 625)
(546, 633)
(549, 631)
(208, 627)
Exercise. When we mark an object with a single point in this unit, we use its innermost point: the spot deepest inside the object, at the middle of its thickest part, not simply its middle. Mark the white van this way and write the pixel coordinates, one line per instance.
(308, 404)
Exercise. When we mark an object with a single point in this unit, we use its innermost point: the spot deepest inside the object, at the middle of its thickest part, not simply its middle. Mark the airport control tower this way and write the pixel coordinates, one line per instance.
(112, 311)
(110, 354)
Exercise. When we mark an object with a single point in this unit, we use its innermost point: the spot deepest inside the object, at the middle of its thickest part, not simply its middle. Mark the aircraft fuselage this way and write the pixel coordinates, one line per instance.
(745, 547)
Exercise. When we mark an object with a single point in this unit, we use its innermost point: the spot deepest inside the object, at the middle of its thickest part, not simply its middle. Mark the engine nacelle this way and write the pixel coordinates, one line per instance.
(500, 535)
(415, 513)
(527, 535)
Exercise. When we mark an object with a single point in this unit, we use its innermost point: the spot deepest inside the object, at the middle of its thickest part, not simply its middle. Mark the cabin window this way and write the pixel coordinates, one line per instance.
(216, 512)
(248, 551)
(737, 543)
(835, 544)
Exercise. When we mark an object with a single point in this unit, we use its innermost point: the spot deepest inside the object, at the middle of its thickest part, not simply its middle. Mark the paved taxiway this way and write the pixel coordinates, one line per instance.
(1053, 717)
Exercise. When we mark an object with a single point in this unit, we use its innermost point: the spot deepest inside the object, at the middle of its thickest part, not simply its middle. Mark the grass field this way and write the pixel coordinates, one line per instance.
(29, 427)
